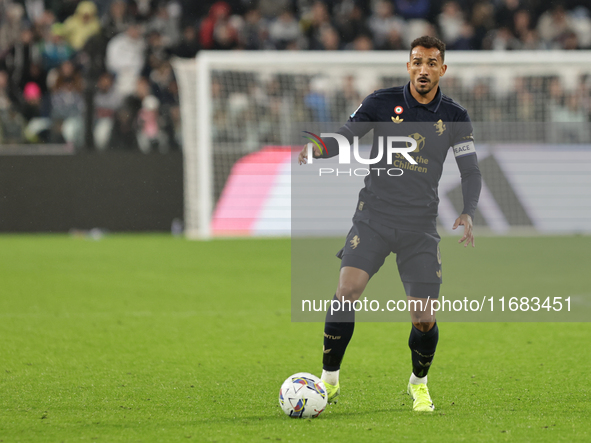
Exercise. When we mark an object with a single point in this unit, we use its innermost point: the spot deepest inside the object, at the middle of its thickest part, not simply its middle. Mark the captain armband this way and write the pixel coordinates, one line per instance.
(464, 148)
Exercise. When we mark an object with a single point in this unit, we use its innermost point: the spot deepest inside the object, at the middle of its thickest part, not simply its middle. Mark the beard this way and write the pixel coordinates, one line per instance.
(424, 89)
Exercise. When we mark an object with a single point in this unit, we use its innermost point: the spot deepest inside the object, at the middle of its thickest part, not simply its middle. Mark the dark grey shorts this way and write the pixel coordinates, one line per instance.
(417, 253)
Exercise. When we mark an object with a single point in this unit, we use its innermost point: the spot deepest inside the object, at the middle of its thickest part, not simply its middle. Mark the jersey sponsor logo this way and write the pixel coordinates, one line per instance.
(398, 110)
(438, 255)
(355, 242)
(439, 127)
(420, 141)
(355, 111)
(397, 120)
(464, 148)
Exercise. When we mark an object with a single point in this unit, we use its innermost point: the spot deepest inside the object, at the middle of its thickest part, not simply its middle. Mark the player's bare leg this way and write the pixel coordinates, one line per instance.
(339, 326)
(422, 342)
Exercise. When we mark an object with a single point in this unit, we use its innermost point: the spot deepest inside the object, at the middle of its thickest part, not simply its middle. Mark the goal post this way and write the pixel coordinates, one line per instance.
(235, 103)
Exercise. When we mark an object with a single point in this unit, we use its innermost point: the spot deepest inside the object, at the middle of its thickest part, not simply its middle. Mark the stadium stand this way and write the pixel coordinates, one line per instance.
(97, 75)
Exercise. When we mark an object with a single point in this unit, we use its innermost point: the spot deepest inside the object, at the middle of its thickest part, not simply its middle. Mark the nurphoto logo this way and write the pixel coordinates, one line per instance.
(393, 151)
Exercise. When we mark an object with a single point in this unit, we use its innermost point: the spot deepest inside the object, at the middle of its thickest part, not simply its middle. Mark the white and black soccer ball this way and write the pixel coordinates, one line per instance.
(303, 395)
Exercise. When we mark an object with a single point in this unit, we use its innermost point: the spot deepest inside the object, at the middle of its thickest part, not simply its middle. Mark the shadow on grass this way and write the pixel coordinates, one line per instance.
(326, 415)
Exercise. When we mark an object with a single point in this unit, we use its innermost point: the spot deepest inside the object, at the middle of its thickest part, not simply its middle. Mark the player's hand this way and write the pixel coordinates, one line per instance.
(303, 157)
(466, 221)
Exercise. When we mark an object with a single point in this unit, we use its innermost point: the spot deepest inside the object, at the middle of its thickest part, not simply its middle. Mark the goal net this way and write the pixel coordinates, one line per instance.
(243, 109)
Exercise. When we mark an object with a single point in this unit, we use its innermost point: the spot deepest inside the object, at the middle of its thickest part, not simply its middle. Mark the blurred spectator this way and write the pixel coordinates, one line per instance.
(225, 35)
(82, 25)
(362, 43)
(253, 33)
(125, 125)
(313, 24)
(555, 25)
(329, 39)
(189, 45)
(413, 9)
(347, 99)
(150, 137)
(155, 54)
(502, 39)
(38, 122)
(284, 30)
(125, 58)
(55, 50)
(20, 56)
(273, 8)
(160, 81)
(11, 25)
(505, 12)
(352, 23)
(11, 122)
(316, 100)
(383, 24)
(451, 23)
(394, 41)
(483, 22)
(219, 11)
(106, 101)
(34, 9)
(165, 25)
(67, 106)
(521, 24)
(569, 40)
(117, 20)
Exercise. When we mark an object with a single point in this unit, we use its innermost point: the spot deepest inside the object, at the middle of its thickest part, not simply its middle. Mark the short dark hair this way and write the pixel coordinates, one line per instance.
(429, 42)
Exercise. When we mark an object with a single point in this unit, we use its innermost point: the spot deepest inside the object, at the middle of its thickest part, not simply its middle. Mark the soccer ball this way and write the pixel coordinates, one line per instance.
(303, 395)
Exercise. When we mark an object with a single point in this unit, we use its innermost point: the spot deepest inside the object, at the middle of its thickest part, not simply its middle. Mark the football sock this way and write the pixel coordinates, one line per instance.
(422, 346)
(338, 330)
(414, 380)
(331, 377)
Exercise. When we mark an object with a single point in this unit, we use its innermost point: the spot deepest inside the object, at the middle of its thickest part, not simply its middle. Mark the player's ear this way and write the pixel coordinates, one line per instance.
(443, 70)
(408, 66)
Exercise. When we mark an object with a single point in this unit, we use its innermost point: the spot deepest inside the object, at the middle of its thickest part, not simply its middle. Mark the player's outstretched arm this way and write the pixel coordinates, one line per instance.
(303, 157)
(466, 221)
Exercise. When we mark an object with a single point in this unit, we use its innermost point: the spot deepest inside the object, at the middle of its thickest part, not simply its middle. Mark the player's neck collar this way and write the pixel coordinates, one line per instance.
(432, 106)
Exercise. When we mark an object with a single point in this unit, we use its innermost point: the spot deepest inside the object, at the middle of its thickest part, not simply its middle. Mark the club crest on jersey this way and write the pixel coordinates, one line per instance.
(397, 119)
(398, 110)
(439, 127)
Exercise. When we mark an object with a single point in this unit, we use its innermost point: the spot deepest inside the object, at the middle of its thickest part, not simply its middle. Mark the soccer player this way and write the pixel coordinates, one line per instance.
(398, 213)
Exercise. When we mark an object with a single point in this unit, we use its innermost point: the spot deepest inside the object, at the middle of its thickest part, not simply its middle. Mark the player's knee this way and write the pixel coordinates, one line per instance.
(423, 326)
(349, 291)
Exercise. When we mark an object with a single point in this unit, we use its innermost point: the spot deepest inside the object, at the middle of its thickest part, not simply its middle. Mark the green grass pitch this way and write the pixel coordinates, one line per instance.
(157, 339)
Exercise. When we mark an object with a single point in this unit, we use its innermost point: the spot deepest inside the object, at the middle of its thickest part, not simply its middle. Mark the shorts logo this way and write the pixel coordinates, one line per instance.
(439, 127)
(355, 242)
(398, 110)
(438, 273)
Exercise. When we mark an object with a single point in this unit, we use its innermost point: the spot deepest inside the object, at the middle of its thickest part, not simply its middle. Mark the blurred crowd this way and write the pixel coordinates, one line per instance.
(98, 74)
(393, 24)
